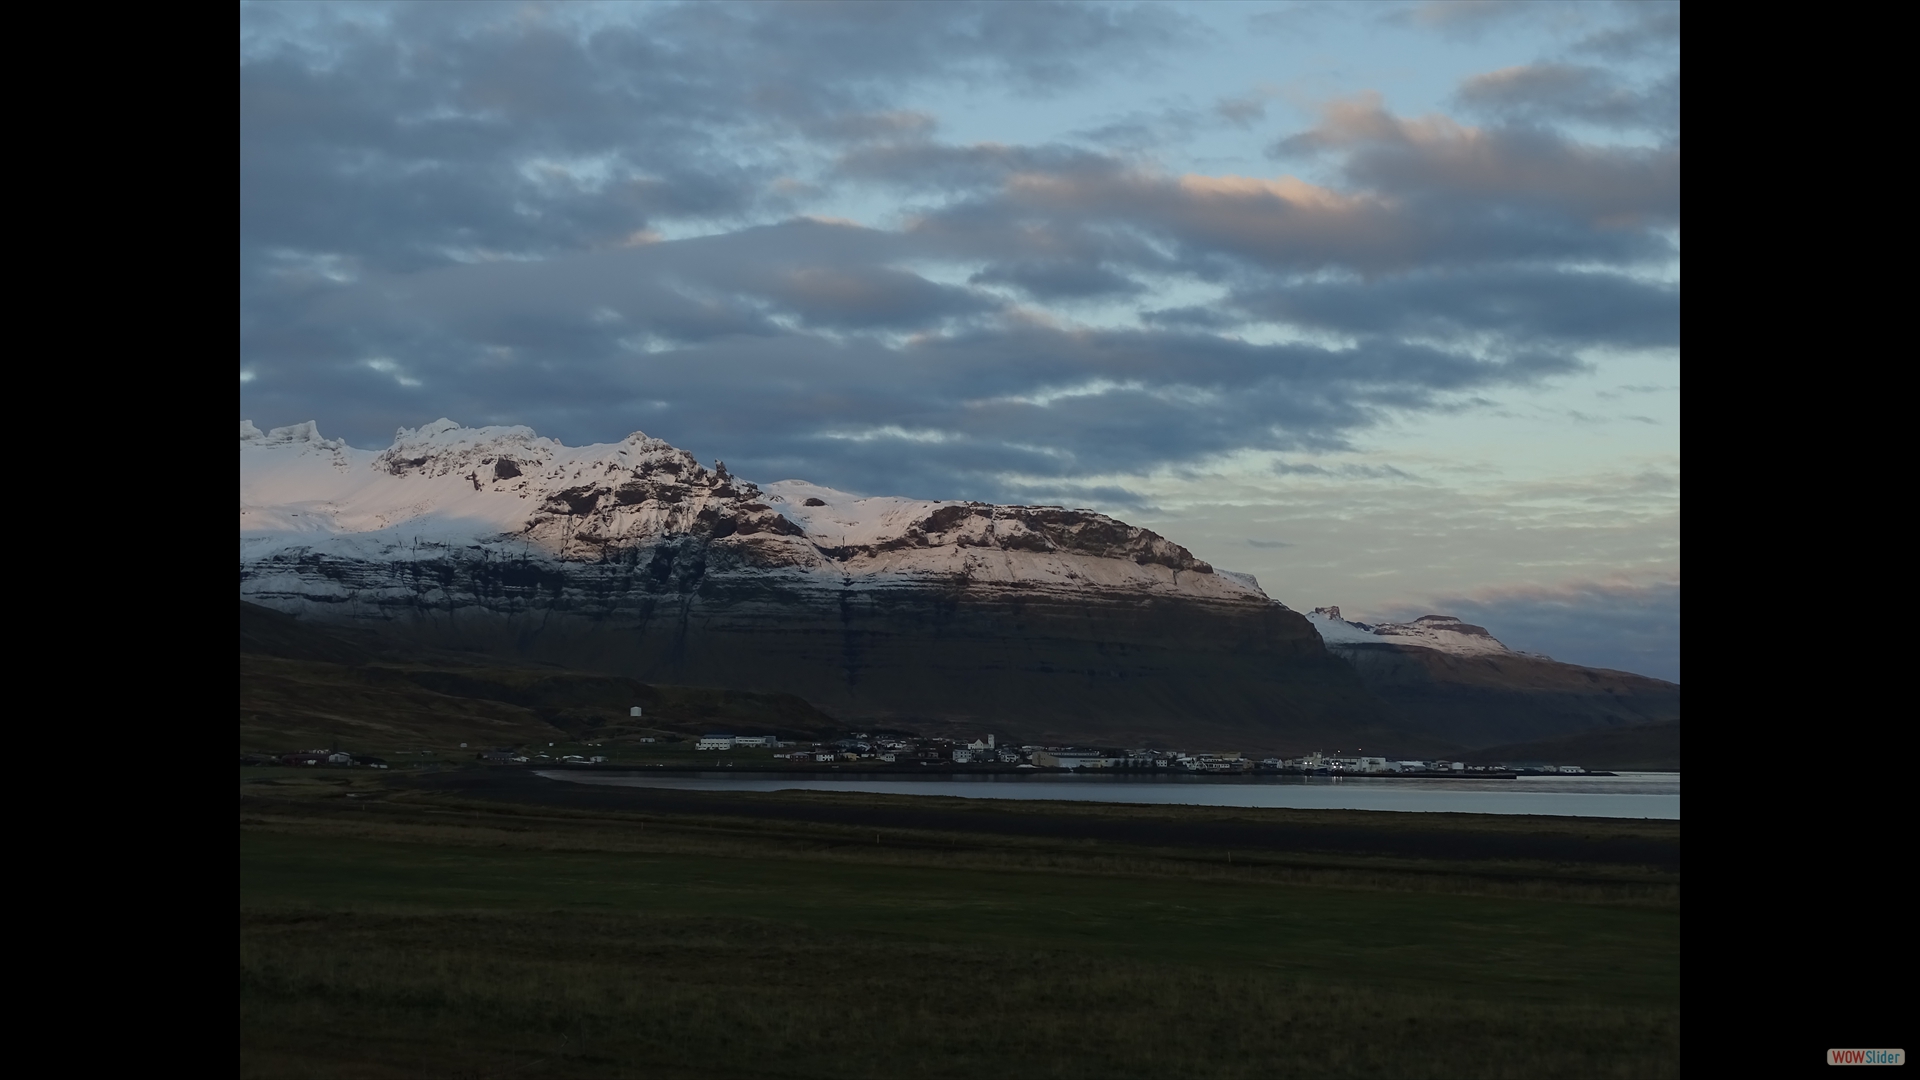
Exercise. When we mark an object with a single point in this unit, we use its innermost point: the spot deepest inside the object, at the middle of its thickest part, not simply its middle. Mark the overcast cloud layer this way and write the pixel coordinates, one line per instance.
(1022, 252)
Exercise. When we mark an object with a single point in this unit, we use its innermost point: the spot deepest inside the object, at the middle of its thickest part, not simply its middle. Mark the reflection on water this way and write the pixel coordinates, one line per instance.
(1628, 795)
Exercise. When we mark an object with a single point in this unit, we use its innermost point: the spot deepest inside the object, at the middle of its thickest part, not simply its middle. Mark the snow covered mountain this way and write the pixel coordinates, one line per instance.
(505, 494)
(1455, 679)
(1038, 622)
(1442, 632)
(632, 558)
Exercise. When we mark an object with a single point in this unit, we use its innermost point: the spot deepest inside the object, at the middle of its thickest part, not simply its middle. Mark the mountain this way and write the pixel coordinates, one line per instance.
(1456, 682)
(306, 684)
(1440, 632)
(1640, 747)
(1039, 623)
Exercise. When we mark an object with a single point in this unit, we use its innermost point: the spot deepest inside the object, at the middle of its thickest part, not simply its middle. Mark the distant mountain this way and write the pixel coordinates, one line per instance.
(1040, 623)
(1454, 681)
(1442, 632)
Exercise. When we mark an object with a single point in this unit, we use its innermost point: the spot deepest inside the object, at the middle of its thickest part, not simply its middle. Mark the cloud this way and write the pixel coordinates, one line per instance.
(1193, 317)
(593, 219)
(1651, 28)
(1057, 280)
(408, 134)
(1539, 176)
(774, 343)
(1418, 193)
(1244, 110)
(1573, 92)
(1460, 18)
(1539, 307)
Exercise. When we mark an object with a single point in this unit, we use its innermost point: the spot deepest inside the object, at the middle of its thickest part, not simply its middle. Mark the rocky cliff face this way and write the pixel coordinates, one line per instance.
(632, 558)
(1455, 682)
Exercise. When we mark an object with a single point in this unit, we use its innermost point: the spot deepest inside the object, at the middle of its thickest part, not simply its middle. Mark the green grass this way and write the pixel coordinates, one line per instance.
(1489, 946)
(408, 934)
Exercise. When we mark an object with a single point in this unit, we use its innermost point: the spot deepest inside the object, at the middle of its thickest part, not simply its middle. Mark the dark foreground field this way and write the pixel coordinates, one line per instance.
(490, 923)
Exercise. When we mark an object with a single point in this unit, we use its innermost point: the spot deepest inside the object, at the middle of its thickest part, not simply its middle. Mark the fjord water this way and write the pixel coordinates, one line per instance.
(1627, 795)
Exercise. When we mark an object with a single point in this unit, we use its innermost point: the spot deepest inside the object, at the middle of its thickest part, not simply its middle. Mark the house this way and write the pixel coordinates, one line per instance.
(635, 711)
(754, 740)
(962, 756)
(714, 742)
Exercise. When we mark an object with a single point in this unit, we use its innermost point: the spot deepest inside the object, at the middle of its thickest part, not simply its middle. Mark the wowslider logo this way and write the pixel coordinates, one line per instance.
(1866, 1057)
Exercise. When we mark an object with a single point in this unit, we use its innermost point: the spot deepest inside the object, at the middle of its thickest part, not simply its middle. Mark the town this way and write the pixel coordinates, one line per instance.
(889, 751)
(859, 747)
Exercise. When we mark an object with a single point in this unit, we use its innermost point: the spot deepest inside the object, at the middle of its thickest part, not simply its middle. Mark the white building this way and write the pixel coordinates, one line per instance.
(714, 742)
(754, 740)
(635, 711)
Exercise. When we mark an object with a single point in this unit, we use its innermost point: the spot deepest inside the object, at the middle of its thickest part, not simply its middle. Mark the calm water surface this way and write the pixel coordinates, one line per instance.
(1628, 795)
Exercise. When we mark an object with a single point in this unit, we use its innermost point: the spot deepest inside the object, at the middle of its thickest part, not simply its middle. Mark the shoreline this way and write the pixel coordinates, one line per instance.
(897, 772)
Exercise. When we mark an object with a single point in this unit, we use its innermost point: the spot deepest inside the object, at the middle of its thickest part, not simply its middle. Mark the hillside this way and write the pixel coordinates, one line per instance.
(1640, 748)
(1456, 682)
(304, 686)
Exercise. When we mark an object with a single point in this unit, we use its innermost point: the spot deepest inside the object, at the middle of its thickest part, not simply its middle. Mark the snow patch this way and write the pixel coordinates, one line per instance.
(1247, 580)
(1443, 633)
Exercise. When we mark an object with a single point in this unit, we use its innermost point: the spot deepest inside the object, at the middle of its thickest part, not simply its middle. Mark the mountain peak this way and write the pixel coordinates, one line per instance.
(302, 434)
(445, 484)
(1445, 633)
(1451, 624)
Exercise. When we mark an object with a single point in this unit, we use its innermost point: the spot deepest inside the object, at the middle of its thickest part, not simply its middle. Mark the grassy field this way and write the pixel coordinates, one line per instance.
(402, 926)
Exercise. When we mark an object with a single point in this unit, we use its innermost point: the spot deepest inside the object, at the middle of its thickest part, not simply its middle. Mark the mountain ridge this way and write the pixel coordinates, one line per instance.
(633, 559)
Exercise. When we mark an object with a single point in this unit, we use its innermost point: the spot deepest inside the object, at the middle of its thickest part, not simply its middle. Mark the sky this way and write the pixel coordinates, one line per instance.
(1377, 302)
